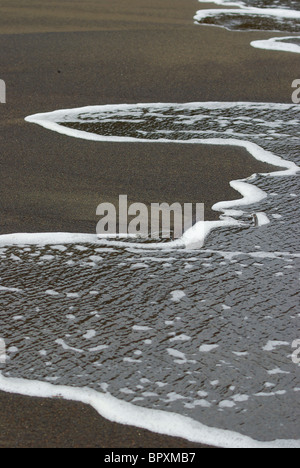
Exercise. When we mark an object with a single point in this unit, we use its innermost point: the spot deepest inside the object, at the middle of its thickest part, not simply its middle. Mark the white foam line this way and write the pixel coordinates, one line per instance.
(259, 254)
(244, 10)
(63, 114)
(50, 121)
(238, 4)
(250, 194)
(271, 44)
(16, 290)
(158, 421)
(275, 43)
(194, 237)
(43, 239)
(262, 219)
(55, 238)
(223, 2)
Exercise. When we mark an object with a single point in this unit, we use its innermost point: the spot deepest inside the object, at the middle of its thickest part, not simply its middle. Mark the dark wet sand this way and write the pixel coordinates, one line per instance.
(64, 180)
(64, 54)
(52, 423)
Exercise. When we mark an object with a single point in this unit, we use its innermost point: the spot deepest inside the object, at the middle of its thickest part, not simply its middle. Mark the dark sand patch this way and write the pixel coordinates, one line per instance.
(51, 423)
(58, 185)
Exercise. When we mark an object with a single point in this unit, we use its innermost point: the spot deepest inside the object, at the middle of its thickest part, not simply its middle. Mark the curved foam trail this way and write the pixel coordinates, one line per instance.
(194, 237)
(262, 219)
(223, 2)
(244, 10)
(42, 239)
(54, 121)
(158, 421)
(64, 238)
(251, 194)
(240, 4)
(277, 12)
(278, 44)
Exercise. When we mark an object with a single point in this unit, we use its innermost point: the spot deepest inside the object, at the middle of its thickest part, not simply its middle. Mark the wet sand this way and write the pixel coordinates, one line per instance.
(64, 54)
(52, 423)
(64, 180)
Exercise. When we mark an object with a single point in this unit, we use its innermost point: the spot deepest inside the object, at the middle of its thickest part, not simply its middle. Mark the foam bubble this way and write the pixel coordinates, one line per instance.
(278, 44)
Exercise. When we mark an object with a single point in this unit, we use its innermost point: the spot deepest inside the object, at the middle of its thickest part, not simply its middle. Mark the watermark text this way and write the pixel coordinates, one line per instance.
(2, 351)
(296, 353)
(159, 221)
(2, 92)
(296, 93)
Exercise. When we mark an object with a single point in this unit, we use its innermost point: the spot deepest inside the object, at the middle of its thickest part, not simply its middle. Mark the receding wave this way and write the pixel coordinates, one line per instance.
(199, 343)
(278, 4)
(239, 124)
(283, 44)
(270, 15)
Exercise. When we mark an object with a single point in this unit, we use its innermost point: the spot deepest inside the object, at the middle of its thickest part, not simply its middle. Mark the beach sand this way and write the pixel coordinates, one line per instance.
(65, 54)
(53, 423)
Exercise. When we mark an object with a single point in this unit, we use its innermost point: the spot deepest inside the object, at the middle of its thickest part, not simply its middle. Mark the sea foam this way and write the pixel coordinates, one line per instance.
(282, 18)
(195, 237)
(161, 422)
(273, 306)
(279, 44)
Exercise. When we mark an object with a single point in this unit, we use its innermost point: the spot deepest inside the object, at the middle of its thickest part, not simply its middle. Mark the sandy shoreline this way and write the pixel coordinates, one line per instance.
(134, 51)
(52, 423)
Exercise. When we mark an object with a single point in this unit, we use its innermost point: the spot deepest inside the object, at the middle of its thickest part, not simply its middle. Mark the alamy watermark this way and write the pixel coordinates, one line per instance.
(296, 353)
(2, 92)
(159, 221)
(2, 351)
(296, 93)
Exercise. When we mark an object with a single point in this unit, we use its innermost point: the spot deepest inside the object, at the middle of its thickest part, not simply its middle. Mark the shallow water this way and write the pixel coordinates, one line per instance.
(204, 333)
(286, 4)
(295, 40)
(264, 124)
(246, 16)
